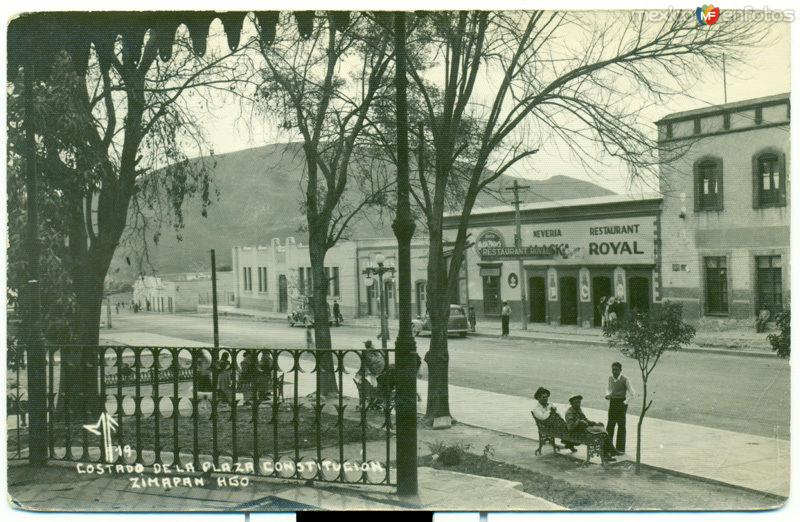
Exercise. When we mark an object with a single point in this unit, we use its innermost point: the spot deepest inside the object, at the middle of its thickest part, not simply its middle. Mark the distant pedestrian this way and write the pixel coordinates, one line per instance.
(472, 319)
(505, 317)
(337, 313)
(762, 320)
(309, 339)
(222, 373)
(601, 311)
(619, 387)
(265, 375)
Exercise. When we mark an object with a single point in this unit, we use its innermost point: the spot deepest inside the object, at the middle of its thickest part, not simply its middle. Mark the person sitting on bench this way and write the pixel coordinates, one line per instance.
(548, 415)
(578, 425)
(762, 320)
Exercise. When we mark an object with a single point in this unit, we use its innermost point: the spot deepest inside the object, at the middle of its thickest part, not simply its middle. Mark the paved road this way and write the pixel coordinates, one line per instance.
(745, 394)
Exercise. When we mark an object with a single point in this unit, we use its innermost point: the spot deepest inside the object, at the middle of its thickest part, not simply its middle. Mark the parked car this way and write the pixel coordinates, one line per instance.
(304, 315)
(457, 325)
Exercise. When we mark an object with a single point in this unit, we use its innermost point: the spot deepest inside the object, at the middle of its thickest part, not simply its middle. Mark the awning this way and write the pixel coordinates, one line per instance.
(40, 36)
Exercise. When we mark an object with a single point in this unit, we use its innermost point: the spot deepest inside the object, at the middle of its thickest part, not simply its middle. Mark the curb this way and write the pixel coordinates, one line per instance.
(590, 342)
(545, 338)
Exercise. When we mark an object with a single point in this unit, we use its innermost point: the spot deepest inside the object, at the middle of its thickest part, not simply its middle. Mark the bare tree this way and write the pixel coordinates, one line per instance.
(322, 88)
(109, 140)
(544, 76)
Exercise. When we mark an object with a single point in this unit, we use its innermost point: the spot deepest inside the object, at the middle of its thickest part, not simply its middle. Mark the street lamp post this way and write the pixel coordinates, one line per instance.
(379, 270)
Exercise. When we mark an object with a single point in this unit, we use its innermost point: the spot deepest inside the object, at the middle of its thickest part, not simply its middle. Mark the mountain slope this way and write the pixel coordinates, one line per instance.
(259, 199)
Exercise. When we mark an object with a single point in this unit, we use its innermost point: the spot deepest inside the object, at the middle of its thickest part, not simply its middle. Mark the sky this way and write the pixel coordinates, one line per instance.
(764, 71)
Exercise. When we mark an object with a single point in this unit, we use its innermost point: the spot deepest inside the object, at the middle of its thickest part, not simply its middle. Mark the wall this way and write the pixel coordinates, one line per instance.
(737, 231)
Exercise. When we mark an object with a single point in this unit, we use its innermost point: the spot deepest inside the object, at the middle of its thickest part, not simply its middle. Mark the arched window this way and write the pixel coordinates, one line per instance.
(769, 179)
(708, 184)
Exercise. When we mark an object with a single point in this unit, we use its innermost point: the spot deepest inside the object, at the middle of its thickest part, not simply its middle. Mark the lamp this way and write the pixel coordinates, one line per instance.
(380, 259)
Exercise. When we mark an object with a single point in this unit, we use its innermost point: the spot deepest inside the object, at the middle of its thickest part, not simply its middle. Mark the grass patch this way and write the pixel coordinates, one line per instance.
(562, 492)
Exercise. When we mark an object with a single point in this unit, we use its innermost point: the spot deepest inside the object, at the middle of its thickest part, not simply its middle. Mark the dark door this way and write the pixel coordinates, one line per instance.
(422, 298)
(601, 287)
(538, 303)
(769, 284)
(568, 288)
(639, 291)
(283, 294)
(491, 295)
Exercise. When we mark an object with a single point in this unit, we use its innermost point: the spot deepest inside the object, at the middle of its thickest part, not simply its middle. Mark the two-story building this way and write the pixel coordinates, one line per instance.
(726, 210)
(277, 278)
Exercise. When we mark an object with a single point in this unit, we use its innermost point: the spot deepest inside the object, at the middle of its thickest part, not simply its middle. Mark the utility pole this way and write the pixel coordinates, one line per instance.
(214, 297)
(724, 79)
(521, 280)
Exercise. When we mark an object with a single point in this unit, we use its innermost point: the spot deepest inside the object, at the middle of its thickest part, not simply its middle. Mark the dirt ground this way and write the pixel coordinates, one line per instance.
(564, 480)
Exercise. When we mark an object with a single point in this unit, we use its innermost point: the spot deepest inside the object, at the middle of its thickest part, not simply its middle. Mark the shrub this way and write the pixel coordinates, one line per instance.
(448, 454)
(781, 341)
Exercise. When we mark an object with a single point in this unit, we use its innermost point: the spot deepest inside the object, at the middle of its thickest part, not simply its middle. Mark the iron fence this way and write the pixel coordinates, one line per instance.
(246, 411)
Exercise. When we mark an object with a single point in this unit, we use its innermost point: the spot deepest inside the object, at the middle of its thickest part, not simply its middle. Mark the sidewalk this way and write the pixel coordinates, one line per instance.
(740, 459)
(745, 342)
(59, 488)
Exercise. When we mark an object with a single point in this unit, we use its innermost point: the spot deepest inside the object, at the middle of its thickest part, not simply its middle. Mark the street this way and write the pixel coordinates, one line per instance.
(743, 394)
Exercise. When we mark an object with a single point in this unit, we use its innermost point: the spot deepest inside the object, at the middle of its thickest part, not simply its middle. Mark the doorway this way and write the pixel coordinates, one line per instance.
(422, 298)
(283, 294)
(639, 291)
(538, 299)
(568, 288)
(601, 287)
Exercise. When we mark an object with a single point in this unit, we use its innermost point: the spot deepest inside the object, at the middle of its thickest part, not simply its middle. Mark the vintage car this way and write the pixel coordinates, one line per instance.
(304, 315)
(456, 326)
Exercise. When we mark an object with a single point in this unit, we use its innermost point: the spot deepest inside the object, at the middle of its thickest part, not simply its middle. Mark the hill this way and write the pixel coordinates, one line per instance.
(259, 199)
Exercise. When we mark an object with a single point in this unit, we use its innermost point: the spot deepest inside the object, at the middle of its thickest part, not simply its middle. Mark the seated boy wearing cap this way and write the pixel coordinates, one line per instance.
(578, 424)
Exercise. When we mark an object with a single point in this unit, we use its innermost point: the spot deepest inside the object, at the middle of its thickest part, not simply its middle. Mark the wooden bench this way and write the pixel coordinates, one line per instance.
(592, 441)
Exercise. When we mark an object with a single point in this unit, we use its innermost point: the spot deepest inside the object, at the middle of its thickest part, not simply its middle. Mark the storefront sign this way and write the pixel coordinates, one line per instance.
(611, 241)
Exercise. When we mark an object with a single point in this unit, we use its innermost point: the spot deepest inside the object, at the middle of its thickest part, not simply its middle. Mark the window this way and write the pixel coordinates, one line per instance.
(336, 281)
(716, 285)
(302, 280)
(769, 180)
(328, 279)
(726, 121)
(249, 278)
(244, 277)
(769, 281)
(262, 279)
(669, 131)
(697, 126)
(759, 116)
(708, 184)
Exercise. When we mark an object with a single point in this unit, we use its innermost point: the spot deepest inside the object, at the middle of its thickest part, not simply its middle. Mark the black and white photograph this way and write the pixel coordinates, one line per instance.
(290, 256)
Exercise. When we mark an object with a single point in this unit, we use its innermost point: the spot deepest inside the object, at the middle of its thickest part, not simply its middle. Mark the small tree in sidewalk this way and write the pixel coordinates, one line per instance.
(645, 337)
(781, 341)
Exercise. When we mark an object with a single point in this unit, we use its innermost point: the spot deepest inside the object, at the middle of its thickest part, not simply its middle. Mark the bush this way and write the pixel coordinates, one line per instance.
(446, 454)
(781, 342)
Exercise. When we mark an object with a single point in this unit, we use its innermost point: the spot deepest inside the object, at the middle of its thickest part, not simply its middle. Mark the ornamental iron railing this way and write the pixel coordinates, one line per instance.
(250, 411)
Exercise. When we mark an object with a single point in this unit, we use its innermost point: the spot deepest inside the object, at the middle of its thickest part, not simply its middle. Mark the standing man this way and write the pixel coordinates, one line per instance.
(337, 313)
(472, 319)
(617, 394)
(505, 316)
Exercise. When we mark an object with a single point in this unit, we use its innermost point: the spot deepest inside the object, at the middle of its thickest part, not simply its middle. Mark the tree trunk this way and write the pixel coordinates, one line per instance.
(326, 377)
(639, 426)
(79, 390)
(437, 358)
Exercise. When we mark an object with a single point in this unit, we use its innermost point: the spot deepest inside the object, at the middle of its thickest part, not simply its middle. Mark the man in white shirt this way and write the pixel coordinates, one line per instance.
(547, 413)
(617, 392)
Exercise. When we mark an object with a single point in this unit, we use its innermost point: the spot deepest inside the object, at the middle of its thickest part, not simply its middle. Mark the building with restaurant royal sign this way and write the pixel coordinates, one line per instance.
(574, 253)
